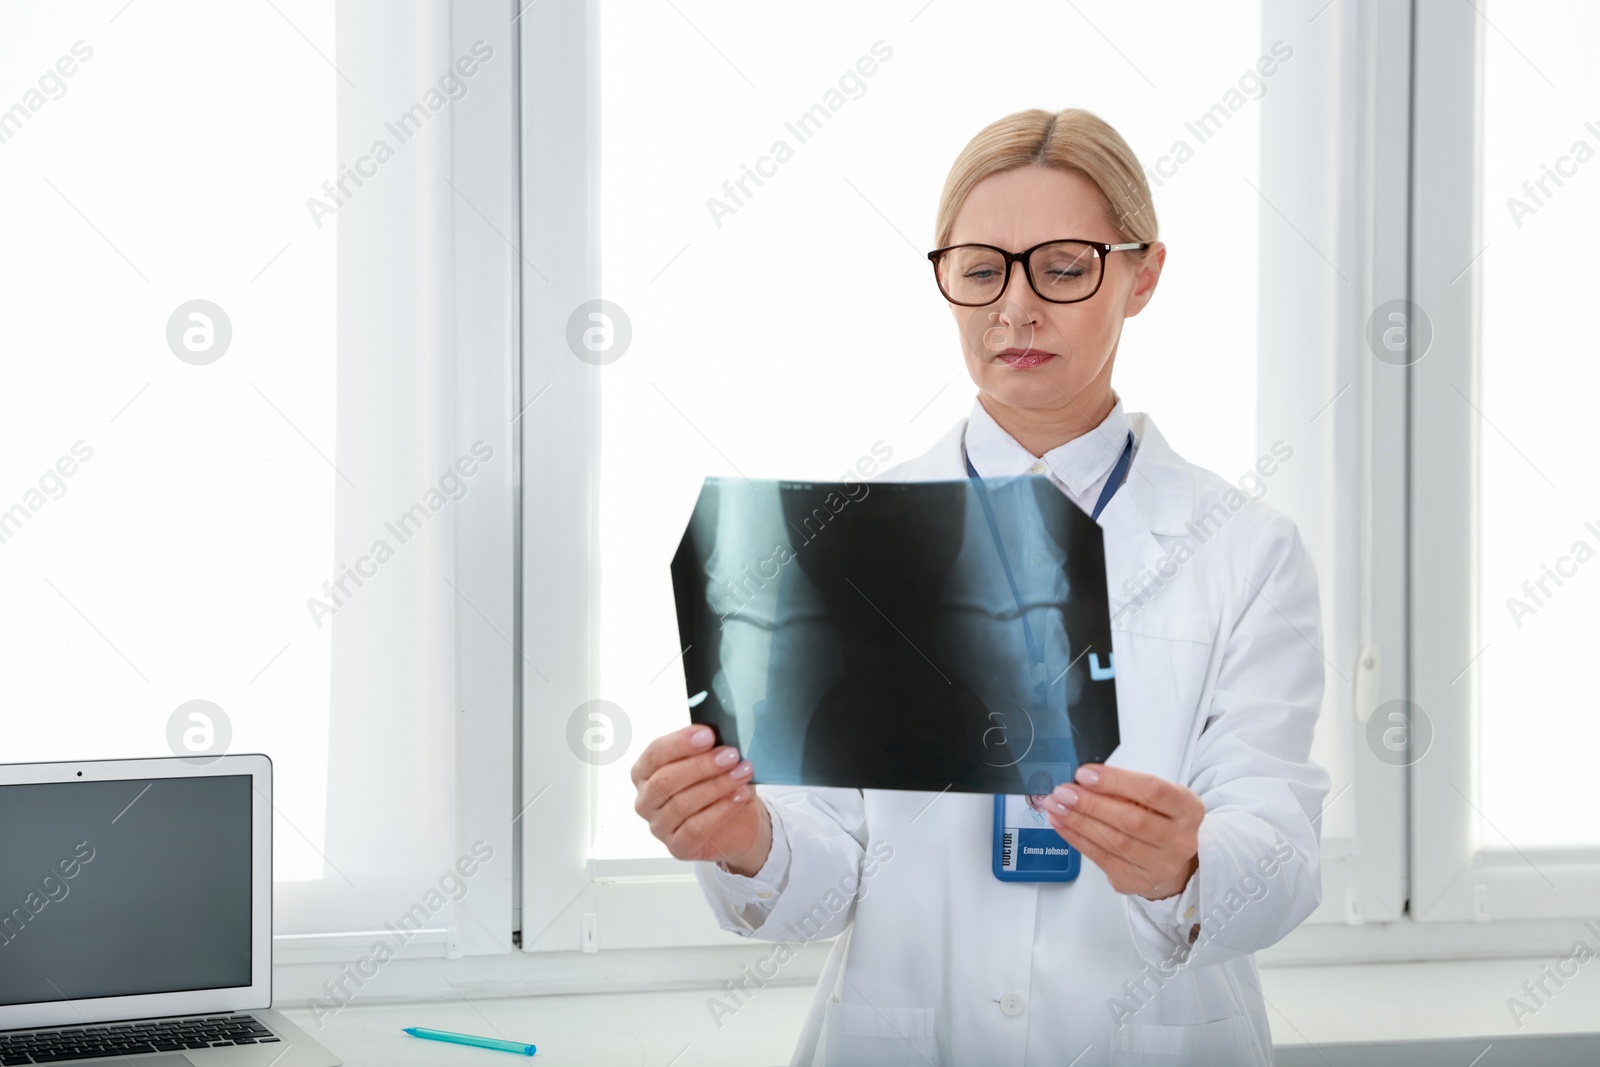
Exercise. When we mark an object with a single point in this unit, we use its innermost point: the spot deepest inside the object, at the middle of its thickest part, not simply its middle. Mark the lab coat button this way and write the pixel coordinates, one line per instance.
(1012, 1003)
(1038, 468)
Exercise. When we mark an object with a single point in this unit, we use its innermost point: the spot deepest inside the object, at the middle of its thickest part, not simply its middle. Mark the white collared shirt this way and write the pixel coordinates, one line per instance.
(1078, 468)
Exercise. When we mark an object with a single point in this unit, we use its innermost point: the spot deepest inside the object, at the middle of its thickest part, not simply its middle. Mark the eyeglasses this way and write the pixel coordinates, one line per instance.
(1062, 272)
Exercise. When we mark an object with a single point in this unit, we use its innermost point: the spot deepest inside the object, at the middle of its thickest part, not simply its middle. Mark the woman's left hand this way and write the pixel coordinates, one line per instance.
(1142, 831)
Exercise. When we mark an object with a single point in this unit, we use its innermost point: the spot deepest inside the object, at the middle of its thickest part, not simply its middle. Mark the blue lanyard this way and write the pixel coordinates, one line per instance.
(1119, 474)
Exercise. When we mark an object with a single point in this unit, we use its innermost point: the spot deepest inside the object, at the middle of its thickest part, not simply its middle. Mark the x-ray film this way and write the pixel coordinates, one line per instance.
(890, 635)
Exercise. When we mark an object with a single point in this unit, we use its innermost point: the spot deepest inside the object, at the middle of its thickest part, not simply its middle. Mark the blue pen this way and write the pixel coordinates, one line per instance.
(467, 1039)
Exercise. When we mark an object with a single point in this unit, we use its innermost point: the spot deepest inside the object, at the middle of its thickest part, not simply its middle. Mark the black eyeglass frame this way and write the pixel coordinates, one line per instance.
(1023, 257)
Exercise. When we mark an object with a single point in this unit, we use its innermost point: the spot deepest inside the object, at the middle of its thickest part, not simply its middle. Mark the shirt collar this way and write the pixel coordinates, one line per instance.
(1079, 463)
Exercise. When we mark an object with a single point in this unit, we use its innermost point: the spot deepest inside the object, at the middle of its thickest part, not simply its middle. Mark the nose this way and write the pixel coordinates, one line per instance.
(1007, 324)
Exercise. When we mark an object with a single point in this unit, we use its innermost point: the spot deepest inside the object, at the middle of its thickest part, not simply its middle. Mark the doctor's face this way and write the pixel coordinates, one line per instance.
(1023, 351)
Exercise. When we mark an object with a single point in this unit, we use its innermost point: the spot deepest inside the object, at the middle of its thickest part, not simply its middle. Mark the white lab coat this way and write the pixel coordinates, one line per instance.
(1219, 681)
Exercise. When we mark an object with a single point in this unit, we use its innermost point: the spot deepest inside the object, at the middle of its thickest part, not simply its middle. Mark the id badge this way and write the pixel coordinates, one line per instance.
(1026, 847)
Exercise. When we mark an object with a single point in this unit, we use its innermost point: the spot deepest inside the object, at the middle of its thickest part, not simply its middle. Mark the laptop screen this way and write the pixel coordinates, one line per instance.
(119, 888)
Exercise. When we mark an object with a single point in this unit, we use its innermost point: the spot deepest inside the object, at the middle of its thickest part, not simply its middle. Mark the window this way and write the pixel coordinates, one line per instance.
(716, 209)
(221, 399)
(1503, 535)
(1538, 603)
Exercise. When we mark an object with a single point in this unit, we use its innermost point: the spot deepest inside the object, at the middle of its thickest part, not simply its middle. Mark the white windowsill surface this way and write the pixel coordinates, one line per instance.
(1320, 1005)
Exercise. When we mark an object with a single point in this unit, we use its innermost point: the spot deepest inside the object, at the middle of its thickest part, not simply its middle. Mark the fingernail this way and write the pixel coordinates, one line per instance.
(1066, 794)
(741, 794)
(1088, 775)
(1055, 805)
(727, 757)
(744, 770)
(701, 737)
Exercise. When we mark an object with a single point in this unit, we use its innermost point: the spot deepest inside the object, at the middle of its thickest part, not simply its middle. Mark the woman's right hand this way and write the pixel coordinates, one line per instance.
(699, 801)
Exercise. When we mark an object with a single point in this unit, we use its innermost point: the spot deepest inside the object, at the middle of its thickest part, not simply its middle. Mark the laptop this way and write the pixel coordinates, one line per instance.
(136, 916)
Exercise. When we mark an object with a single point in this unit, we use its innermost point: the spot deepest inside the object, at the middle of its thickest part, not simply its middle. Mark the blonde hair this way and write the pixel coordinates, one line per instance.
(1072, 139)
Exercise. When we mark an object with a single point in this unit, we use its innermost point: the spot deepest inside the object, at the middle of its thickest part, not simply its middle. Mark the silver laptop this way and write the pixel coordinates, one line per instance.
(136, 916)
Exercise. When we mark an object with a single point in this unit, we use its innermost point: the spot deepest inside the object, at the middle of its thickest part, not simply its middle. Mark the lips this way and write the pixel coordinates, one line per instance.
(1024, 358)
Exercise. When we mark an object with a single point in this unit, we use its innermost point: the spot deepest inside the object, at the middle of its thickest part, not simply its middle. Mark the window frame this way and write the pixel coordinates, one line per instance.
(481, 301)
(1315, 304)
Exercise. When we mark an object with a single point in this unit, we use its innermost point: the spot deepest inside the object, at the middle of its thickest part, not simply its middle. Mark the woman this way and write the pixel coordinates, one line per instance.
(1201, 830)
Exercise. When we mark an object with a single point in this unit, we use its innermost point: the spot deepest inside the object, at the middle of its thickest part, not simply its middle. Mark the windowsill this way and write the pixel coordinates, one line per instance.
(1319, 1006)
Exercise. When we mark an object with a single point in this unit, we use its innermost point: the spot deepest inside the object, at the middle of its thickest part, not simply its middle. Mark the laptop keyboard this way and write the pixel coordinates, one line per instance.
(128, 1039)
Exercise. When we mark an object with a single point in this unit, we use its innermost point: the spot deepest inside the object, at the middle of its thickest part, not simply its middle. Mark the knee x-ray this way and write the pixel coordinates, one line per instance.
(925, 635)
